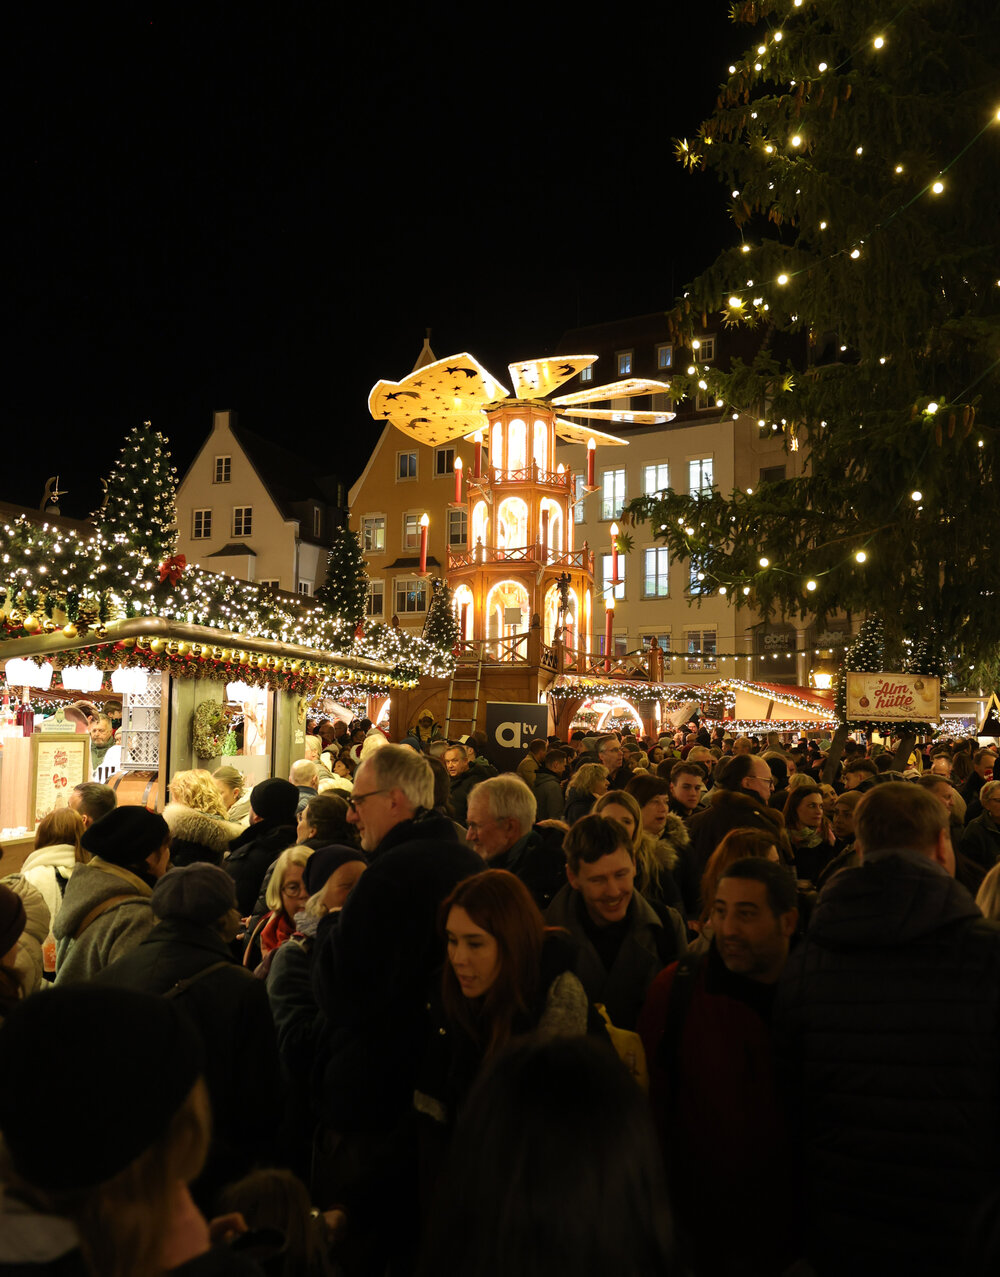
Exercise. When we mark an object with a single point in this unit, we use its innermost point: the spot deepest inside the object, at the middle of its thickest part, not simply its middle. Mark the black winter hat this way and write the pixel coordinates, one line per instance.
(126, 836)
(325, 861)
(145, 1054)
(194, 893)
(275, 800)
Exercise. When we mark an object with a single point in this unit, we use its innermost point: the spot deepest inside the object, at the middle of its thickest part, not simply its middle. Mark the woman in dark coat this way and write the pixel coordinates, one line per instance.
(273, 805)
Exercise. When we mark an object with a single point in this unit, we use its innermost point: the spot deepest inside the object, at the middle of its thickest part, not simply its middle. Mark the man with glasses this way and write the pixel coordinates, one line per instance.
(611, 755)
(371, 968)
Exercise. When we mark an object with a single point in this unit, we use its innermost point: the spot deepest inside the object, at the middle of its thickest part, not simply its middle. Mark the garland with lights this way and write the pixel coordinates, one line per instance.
(860, 156)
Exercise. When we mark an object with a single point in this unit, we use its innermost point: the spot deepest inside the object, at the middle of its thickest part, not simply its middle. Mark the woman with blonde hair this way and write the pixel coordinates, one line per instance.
(286, 895)
(988, 895)
(235, 795)
(57, 853)
(200, 827)
(587, 783)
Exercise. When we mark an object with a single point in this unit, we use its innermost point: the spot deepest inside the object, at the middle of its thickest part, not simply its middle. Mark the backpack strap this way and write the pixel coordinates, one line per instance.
(182, 986)
(111, 903)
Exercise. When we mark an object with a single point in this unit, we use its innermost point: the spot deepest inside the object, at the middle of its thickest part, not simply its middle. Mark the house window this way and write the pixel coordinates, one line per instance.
(242, 520)
(705, 351)
(612, 493)
(444, 461)
(665, 356)
(375, 604)
(373, 533)
(587, 374)
(656, 575)
(624, 358)
(305, 587)
(619, 645)
(655, 478)
(699, 583)
(606, 576)
(458, 528)
(202, 528)
(701, 649)
(406, 465)
(772, 474)
(578, 479)
(700, 476)
(411, 594)
(663, 643)
(269, 582)
(223, 469)
(317, 521)
(411, 531)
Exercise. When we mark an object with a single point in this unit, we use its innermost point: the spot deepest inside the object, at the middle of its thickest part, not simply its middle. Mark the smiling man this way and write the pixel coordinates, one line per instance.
(621, 942)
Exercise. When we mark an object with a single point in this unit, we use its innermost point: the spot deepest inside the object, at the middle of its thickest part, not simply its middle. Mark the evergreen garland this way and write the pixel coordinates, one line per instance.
(873, 302)
(345, 592)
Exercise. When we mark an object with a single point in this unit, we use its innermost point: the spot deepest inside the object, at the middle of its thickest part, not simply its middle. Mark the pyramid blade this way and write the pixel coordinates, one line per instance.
(536, 378)
(615, 390)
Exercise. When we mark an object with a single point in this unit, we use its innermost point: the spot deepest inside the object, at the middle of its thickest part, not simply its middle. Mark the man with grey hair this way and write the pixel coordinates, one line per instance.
(372, 965)
(502, 829)
(304, 775)
(313, 747)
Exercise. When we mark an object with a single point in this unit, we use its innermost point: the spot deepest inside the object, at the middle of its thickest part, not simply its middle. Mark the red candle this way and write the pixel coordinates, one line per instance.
(591, 453)
(423, 544)
(614, 554)
(458, 480)
(478, 467)
(609, 619)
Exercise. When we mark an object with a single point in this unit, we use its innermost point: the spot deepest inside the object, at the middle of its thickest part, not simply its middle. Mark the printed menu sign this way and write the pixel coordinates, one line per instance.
(59, 765)
(893, 698)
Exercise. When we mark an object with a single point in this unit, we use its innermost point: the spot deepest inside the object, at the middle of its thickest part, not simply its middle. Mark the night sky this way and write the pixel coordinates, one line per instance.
(262, 208)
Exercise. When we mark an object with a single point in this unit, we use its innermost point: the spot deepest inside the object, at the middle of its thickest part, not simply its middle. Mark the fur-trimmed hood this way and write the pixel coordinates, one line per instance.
(198, 827)
(666, 849)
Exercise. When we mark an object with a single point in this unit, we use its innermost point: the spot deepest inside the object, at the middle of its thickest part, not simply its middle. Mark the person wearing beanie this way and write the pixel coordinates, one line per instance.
(186, 957)
(99, 1188)
(13, 920)
(106, 909)
(273, 806)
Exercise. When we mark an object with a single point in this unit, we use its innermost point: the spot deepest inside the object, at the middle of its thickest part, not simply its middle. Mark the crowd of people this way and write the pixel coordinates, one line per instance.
(699, 1006)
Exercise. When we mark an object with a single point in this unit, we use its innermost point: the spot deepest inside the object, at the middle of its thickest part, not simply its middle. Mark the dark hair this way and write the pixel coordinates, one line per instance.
(554, 1167)
(684, 768)
(276, 1199)
(883, 763)
(861, 765)
(645, 788)
(95, 800)
(593, 837)
(327, 813)
(796, 796)
(898, 816)
(502, 906)
(732, 772)
(538, 747)
(738, 844)
(779, 881)
(442, 784)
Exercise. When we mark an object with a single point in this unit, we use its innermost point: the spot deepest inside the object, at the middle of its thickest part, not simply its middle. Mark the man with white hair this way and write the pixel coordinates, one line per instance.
(501, 828)
(372, 965)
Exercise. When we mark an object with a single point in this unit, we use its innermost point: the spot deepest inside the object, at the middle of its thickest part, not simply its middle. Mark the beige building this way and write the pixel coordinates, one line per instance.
(249, 508)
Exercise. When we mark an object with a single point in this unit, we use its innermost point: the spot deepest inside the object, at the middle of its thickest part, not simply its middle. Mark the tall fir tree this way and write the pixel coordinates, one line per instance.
(441, 627)
(139, 514)
(345, 592)
(860, 148)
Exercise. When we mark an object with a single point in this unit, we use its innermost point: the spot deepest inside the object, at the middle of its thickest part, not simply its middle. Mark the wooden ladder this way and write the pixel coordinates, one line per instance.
(463, 698)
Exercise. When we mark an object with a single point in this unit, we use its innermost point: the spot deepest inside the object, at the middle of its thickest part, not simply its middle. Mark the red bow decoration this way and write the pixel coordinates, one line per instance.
(172, 568)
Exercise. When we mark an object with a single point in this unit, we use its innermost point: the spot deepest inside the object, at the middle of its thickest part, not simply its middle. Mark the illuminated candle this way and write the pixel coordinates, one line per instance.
(458, 480)
(614, 554)
(609, 620)
(478, 467)
(591, 454)
(423, 544)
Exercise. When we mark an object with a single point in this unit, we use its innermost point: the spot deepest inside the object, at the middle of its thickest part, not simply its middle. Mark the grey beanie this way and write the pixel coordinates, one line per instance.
(195, 893)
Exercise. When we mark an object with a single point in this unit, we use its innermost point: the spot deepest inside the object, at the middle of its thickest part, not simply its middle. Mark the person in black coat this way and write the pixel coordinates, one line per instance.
(186, 957)
(272, 828)
(464, 774)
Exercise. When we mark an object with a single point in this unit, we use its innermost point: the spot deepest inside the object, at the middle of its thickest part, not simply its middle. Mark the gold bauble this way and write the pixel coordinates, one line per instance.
(31, 625)
(129, 642)
(156, 645)
(70, 630)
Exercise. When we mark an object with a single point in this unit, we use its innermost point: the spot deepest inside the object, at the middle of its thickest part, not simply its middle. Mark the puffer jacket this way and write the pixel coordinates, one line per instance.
(48, 870)
(113, 933)
(198, 836)
(887, 1031)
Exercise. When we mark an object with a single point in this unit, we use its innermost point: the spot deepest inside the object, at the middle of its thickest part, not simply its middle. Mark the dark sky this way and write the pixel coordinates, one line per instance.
(262, 207)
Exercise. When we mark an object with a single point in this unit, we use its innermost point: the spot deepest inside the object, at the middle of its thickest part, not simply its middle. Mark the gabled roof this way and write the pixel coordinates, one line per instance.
(288, 476)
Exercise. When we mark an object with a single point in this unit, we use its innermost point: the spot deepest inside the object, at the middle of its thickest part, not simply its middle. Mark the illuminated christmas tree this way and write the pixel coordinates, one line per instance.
(860, 147)
(441, 627)
(345, 592)
(139, 515)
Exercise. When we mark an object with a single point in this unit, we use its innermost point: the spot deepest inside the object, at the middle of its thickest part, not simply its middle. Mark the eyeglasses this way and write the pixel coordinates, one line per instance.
(294, 889)
(355, 802)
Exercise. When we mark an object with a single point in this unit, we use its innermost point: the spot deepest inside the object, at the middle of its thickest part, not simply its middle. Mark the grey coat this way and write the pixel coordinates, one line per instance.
(111, 935)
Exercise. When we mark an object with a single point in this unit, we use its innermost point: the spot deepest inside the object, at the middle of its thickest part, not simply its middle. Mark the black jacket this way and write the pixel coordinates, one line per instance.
(887, 1025)
(371, 965)
(258, 846)
(539, 861)
(549, 799)
(462, 786)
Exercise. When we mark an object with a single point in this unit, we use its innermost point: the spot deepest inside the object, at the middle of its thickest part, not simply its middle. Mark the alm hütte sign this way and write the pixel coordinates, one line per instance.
(893, 697)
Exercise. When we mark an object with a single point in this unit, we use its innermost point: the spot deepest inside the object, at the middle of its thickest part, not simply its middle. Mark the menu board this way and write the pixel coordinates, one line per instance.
(59, 764)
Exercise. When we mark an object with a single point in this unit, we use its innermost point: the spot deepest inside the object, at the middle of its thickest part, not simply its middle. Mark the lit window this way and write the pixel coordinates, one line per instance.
(624, 358)
(656, 575)
(444, 461)
(587, 374)
(700, 476)
(305, 587)
(242, 520)
(580, 479)
(606, 576)
(375, 605)
(202, 528)
(411, 594)
(406, 465)
(655, 478)
(373, 533)
(411, 531)
(223, 469)
(458, 528)
(664, 356)
(612, 493)
(701, 649)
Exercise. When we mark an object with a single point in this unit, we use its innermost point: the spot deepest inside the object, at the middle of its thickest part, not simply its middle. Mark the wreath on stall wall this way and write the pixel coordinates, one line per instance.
(209, 728)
